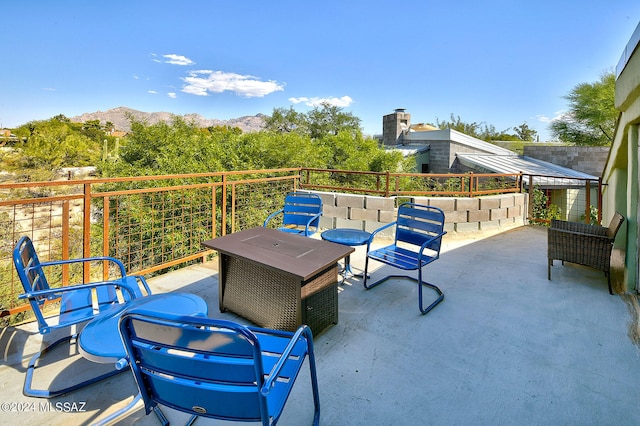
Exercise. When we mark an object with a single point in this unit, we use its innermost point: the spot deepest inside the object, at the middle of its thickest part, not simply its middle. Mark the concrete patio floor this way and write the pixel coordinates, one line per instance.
(505, 347)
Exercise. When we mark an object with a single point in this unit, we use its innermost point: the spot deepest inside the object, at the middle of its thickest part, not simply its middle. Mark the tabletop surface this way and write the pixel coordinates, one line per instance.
(294, 254)
(100, 341)
(348, 236)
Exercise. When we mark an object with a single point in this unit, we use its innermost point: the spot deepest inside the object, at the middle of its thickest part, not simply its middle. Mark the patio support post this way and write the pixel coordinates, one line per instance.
(587, 204)
(600, 200)
(530, 197)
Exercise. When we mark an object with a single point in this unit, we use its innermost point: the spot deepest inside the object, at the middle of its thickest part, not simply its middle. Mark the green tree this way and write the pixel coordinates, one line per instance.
(284, 120)
(456, 123)
(592, 116)
(483, 131)
(168, 148)
(55, 143)
(320, 121)
(525, 133)
(331, 120)
(93, 130)
(266, 150)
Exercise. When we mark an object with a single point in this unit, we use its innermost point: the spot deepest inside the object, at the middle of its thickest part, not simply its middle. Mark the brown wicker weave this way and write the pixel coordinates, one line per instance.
(584, 244)
(277, 300)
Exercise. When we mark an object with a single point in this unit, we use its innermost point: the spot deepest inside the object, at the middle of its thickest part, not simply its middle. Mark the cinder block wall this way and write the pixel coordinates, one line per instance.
(369, 213)
(587, 159)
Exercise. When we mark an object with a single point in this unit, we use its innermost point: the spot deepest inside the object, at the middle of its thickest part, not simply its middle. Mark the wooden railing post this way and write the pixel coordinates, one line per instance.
(386, 186)
(66, 214)
(86, 232)
(214, 213)
(223, 226)
(105, 236)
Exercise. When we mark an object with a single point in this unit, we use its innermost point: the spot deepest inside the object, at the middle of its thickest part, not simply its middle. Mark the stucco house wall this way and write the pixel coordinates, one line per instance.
(621, 174)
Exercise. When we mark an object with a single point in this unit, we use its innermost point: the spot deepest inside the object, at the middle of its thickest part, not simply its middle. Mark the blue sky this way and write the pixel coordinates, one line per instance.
(501, 62)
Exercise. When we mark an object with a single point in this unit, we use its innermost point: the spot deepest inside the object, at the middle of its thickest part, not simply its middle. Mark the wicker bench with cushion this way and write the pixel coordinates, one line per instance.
(584, 244)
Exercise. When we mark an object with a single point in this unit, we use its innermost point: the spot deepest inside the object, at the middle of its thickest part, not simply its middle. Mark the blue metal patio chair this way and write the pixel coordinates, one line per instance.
(418, 236)
(56, 308)
(300, 214)
(215, 368)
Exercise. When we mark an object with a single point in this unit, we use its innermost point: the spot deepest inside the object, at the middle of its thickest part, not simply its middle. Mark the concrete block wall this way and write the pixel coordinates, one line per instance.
(587, 159)
(369, 213)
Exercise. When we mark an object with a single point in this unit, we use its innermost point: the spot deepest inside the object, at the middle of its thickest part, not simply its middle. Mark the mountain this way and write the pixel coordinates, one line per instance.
(120, 118)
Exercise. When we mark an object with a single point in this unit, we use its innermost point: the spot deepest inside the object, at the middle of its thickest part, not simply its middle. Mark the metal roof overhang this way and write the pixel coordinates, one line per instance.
(544, 174)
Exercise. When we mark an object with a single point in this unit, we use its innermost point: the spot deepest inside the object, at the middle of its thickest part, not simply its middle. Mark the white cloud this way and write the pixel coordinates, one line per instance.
(344, 101)
(172, 95)
(153, 92)
(545, 119)
(204, 82)
(178, 60)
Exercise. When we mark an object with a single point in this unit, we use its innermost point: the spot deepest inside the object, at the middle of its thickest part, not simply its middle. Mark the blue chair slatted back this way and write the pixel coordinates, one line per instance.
(300, 207)
(417, 224)
(28, 266)
(206, 367)
(300, 214)
(75, 306)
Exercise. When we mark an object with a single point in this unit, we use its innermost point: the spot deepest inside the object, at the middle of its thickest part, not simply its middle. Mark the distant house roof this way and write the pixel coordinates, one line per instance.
(489, 158)
(422, 127)
(409, 149)
(527, 165)
(450, 135)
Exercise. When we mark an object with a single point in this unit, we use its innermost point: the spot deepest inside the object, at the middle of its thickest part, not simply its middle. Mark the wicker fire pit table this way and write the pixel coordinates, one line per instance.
(279, 280)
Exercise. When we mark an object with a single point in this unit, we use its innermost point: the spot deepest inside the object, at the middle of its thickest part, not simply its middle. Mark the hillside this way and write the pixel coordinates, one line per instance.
(120, 118)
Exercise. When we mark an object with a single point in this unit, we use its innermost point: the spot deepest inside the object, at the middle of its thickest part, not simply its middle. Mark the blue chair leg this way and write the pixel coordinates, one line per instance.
(27, 390)
(420, 282)
(366, 276)
(314, 381)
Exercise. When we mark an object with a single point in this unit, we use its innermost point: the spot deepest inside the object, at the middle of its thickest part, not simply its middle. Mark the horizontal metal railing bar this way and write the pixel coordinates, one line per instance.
(155, 189)
(341, 188)
(470, 178)
(42, 200)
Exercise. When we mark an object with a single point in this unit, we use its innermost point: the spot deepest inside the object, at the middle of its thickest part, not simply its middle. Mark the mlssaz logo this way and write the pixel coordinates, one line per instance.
(65, 407)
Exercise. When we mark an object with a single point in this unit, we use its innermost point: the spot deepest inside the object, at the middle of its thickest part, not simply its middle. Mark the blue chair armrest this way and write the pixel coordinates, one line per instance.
(272, 215)
(85, 260)
(373, 234)
(314, 217)
(56, 291)
(123, 274)
(139, 279)
(424, 245)
(275, 371)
